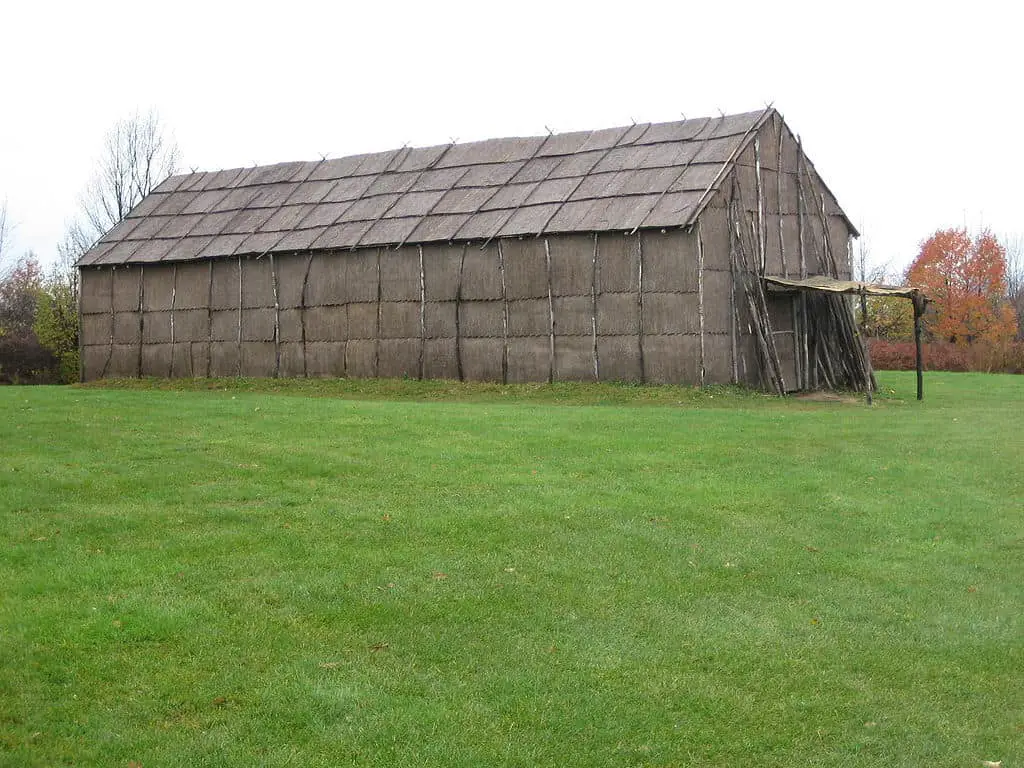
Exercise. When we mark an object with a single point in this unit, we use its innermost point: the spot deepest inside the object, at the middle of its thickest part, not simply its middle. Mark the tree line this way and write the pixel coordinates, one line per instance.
(39, 308)
(975, 314)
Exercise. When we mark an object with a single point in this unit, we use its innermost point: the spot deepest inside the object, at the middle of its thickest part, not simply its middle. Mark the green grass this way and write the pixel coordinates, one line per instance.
(429, 574)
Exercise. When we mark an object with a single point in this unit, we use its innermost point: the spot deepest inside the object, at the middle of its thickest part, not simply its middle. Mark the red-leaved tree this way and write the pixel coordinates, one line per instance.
(965, 278)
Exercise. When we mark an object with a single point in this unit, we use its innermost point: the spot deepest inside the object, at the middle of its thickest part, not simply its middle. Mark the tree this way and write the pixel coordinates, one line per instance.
(1015, 278)
(22, 357)
(965, 278)
(56, 319)
(138, 154)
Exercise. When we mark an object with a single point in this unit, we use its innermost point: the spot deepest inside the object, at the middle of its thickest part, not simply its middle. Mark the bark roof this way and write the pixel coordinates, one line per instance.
(649, 175)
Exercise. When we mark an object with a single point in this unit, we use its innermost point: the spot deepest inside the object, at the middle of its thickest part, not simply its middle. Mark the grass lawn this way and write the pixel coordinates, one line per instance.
(422, 574)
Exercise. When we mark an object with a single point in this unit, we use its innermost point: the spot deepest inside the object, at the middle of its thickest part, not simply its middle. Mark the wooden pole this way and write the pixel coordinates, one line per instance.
(78, 312)
(551, 316)
(209, 320)
(919, 363)
(174, 292)
(640, 304)
(380, 312)
(504, 313)
(239, 365)
(778, 199)
(458, 312)
(700, 299)
(593, 308)
(302, 312)
(423, 309)
(759, 187)
(277, 318)
(142, 296)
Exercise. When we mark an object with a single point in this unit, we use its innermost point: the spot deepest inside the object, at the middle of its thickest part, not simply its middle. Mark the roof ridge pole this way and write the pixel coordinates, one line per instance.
(504, 315)
(593, 308)
(551, 316)
(705, 196)
(700, 299)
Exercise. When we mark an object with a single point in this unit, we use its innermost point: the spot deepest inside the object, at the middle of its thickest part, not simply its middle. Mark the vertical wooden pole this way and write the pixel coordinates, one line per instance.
(174, 295)
(733, 320)
(458, 313)
(142, 321)
(593, 308)
(110, 348)
(504, 315)
(302, 312)
(380, 312)
(551, 315)
(919, 363)
(209, 320)
(78, 308)
(761, 251)
(239, 362)
(423, 310)
(700, 299)
(640, 303)
(277, 318)
(778, 199)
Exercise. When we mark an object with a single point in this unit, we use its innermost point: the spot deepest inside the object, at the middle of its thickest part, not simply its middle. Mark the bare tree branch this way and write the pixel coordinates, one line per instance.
(138, 154)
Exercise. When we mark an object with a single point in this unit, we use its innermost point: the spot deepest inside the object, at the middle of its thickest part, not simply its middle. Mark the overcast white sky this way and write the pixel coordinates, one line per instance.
(912, 112)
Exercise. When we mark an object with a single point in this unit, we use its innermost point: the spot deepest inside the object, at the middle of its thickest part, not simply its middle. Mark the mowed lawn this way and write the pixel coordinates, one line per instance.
(446, 576)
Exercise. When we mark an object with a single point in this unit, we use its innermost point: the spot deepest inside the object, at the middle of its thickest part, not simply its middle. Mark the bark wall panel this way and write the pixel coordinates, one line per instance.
(671, 359)
(257, 283)
(572, 259)
(191, 325)
(399, 358)
(573, 315)
(193, 286)
(670, 261)
(224, 291)
(95, 290)
(528, 359)
(439, 320)
(481, 276)
(96, 328)
(619, 357)
(325, 358)
(291, 359)
(529, 317)
(525, 268)
(400, 274)
(617, 314)
(361, 358)
(400, 320)
(157, 285)
(439, 359)
(481, 318)
(224, 358)
(126, 328)
(574, 358)
(156, 328)
(617, 263)
(257, 325)
(481, 359)
(670, 313)
(326, 323)
(126, 289)
(156, 359)
(441, 271)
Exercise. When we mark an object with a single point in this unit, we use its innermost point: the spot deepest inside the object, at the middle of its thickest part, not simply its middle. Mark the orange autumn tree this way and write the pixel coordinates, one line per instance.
(965, 279)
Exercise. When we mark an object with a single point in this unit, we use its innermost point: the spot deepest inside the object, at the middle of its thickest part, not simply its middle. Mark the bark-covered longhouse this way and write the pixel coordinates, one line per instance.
(630, 254)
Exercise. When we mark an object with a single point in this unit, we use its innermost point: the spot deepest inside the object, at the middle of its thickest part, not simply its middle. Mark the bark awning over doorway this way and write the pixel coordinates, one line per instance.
(852, 287)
